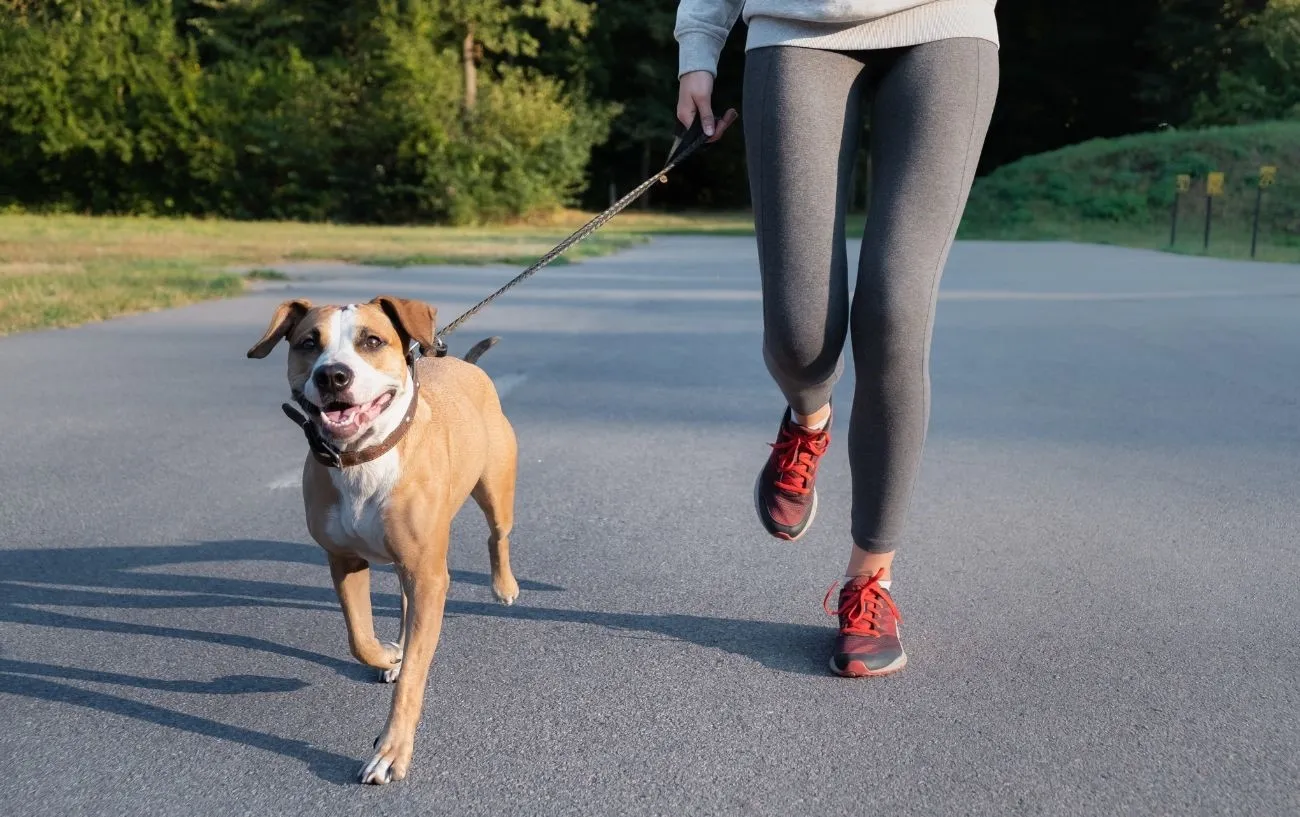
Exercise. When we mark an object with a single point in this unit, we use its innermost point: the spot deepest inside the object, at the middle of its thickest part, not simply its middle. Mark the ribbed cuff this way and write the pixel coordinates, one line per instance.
(697, 51)
(939, 20)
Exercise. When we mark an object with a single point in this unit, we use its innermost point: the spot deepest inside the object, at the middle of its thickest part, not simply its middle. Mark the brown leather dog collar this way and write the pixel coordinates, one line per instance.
(327, 454)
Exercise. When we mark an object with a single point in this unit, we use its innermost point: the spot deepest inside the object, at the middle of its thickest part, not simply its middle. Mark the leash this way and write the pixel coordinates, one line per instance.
(684, 146)
(300, 410)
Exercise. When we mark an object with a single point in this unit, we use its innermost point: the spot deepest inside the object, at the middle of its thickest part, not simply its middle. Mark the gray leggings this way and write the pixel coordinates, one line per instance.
(930, 107)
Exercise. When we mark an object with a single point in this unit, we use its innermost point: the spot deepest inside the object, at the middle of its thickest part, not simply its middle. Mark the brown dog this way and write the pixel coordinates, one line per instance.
(413, 439)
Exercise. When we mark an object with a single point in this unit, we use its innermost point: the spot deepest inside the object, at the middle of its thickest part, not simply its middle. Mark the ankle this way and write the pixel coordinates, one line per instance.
(865, 564)
(815, 421)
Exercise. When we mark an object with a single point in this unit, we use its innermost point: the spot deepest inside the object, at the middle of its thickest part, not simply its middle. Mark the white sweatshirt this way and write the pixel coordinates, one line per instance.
(842, 25)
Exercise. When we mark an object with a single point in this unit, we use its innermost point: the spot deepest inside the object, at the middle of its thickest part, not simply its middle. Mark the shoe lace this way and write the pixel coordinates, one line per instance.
(796, 462)
(862, 609)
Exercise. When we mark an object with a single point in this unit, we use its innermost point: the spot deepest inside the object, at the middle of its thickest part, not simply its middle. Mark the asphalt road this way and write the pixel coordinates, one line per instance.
(1101, 584)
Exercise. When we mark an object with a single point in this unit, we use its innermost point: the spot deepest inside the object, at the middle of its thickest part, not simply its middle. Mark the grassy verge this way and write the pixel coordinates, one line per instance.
(1225, 242)
(66, 295)
(67, 270)
(1120, 191)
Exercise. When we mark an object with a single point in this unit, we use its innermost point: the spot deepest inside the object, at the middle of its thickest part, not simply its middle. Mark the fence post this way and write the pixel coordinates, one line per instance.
(1213, 189)
(1267, 174)
(1182, 183)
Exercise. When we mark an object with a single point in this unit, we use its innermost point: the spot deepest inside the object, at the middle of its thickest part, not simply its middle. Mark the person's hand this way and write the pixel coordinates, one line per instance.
(694, 96)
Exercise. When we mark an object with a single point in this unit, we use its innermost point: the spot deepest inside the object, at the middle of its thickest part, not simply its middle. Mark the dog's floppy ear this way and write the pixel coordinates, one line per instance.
(285, 319)
(415, 319)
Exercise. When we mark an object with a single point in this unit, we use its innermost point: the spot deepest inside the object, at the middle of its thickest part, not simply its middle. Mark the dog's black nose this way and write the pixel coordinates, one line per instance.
(333, 377)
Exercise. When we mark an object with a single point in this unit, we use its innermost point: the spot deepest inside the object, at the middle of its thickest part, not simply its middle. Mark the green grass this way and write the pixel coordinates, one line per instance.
(1120, 191)
(99, 290)
(266, 275)
(67, 270)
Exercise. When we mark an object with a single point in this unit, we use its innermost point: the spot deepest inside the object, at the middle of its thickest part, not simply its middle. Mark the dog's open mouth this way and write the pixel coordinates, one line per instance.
(347, 419)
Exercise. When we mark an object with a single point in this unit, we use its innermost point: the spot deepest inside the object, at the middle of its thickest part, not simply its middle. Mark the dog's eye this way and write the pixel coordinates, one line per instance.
(306, 344)
(372, 342)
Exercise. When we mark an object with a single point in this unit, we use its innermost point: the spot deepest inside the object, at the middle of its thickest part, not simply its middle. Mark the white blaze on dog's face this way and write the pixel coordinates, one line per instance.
(350, 361)
(352, 366)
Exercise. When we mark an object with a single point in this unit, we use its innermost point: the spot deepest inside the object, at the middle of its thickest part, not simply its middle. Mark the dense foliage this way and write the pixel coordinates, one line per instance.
(471, 110)
(308, 109)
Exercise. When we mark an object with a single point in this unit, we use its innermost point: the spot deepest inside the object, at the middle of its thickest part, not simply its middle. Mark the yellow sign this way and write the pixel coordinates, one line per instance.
(1183, 181)
(1214, 184)
(1267, 175)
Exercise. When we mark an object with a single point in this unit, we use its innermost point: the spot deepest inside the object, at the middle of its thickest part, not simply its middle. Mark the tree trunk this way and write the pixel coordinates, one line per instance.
(467, 52)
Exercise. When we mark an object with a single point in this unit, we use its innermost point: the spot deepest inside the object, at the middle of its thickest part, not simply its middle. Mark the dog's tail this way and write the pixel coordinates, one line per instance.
(482, 346)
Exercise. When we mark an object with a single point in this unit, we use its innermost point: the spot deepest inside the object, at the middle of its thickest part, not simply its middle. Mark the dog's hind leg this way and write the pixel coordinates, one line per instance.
(495, 494)
(351, 576)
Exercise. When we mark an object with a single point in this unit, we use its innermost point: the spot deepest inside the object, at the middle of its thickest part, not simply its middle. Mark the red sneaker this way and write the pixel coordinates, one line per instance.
(785, 494)
(868, 643)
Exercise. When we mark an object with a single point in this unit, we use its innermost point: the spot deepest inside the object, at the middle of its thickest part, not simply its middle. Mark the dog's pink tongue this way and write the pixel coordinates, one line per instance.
(356, 415)
(367, 413)
(343, 416)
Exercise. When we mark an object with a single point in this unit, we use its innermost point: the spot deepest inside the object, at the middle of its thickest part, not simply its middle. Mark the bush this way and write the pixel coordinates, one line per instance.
(282, 109)
(1130, 180)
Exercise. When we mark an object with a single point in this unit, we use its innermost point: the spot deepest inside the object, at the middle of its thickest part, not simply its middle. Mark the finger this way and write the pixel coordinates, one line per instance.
(686, 113)
(706, 114)
(685, 107)
(727, 119)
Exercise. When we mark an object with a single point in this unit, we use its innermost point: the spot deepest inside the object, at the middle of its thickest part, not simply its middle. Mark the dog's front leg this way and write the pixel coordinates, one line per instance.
(351, 575)
(425, 585)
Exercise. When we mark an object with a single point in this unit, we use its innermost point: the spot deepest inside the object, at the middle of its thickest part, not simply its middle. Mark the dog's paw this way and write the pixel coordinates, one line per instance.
(506, 589)
(389, 763)
(394, 654)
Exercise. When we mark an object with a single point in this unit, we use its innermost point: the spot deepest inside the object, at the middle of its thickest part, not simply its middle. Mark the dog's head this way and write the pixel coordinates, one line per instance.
(349, 362)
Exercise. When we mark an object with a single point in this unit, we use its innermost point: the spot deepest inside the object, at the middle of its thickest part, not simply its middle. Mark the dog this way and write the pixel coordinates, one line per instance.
(397, 446)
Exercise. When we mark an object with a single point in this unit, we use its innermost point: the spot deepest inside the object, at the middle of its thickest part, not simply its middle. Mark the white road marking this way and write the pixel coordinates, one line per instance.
(290, 480)
(507, 383)
(996, 295)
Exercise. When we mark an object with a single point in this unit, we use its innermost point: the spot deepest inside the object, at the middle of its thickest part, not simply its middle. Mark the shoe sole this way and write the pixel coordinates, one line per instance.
(758, 508)
(897, 664)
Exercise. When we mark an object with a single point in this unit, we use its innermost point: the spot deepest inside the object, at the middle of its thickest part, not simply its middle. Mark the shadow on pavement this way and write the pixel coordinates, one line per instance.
(797, 648)
(225, 685)
(104, 578)
(94, 577)
(117, 578)
(328, 766)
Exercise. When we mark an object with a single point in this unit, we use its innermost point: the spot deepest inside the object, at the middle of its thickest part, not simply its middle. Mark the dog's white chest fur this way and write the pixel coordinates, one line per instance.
(356, 522)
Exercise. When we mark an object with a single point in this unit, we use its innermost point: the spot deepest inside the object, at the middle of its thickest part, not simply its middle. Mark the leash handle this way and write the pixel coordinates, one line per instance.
(687, 142)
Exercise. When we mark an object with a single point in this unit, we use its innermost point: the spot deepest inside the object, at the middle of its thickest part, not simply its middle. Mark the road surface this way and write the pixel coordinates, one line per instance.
(1100, 586)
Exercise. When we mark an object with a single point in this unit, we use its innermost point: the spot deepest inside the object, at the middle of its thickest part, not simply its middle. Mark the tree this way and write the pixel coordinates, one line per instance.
(1067, 75)
(1189, 44)
(508, 29)
(1264, 83)
(631, 61)
(304, 109)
